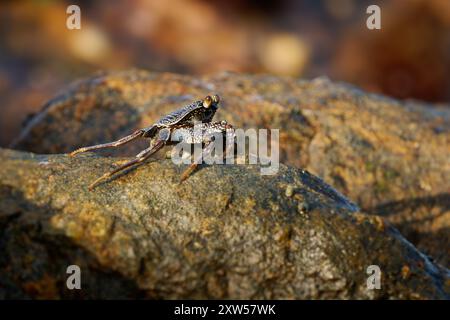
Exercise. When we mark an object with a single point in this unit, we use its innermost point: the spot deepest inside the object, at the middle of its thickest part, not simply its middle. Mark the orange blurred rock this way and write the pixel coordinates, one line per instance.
(407, 58)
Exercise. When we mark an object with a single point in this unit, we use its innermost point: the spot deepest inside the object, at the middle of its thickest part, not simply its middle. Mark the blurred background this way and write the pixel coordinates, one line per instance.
(408, 58)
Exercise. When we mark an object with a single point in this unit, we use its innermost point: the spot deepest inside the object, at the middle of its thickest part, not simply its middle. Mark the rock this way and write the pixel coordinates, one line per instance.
(390, 157)
(226, 232)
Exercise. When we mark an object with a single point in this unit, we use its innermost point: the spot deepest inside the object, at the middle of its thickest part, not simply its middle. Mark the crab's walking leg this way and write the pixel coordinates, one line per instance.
(143, 155)
(163, 137)
(208, 147)
(124, 140)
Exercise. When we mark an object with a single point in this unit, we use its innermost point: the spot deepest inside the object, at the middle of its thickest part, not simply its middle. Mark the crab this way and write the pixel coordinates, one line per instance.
(174, 127)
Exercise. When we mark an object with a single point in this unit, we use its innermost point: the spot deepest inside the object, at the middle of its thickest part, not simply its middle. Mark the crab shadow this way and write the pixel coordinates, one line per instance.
(428, 209)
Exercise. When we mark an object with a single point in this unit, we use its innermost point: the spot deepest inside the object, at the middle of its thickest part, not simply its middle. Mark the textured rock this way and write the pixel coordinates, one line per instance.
(390, 157)
(226, 232)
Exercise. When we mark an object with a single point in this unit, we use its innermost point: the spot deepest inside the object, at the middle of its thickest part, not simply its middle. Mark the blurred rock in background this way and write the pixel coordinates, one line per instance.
(408, 58)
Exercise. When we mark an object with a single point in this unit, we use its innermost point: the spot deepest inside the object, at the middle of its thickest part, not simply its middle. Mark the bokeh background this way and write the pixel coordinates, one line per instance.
(39, 56)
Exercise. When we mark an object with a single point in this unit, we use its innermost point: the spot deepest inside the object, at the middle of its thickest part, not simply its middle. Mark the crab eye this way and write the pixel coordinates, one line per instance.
(207, 102)
(216, 99)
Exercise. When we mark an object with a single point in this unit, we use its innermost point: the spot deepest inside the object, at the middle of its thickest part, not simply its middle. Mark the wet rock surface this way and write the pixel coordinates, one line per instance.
(390, 157)
(226, 232)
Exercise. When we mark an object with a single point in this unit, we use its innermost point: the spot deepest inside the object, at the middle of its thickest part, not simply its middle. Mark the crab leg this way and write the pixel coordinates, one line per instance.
(124, 140)
(143, 155)
(196, 162)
